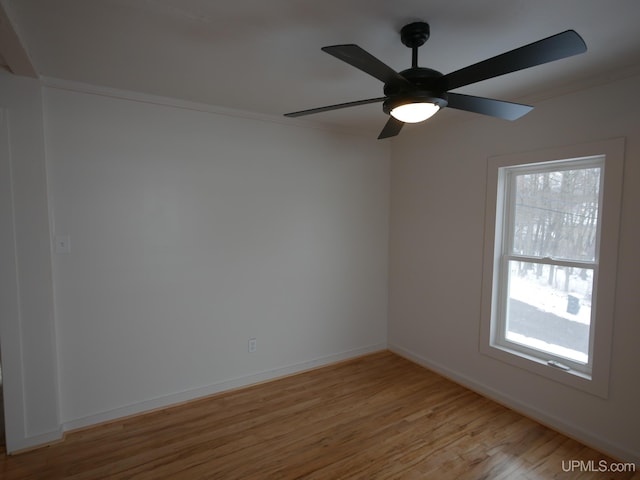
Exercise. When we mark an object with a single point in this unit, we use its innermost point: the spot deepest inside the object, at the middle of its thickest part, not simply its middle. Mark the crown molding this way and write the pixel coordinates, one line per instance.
(110, 92)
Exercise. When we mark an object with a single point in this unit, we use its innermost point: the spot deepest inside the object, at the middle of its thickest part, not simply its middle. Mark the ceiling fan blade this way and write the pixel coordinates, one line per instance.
(556, 47)
(362, 60)
(488, 106)
(335, 107)
(391, 128)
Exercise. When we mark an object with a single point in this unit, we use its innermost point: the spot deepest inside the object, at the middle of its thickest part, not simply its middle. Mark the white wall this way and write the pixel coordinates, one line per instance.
(27, 334)
(436, 244)
(192, 232)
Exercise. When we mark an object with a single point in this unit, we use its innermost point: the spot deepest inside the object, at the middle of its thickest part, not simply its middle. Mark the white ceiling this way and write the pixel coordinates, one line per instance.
(264, 55)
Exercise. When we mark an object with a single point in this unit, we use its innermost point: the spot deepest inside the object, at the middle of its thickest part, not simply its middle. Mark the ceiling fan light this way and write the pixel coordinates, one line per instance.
(414, 112)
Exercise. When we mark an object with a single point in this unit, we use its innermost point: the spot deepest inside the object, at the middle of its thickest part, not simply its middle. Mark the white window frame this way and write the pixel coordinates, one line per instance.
(593, 377)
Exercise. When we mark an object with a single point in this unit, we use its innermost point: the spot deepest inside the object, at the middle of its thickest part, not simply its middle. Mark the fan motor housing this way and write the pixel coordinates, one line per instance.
(422, 76)
(427, 87)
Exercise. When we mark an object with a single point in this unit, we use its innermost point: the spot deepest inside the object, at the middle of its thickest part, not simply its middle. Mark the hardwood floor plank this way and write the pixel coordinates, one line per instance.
(374, 417)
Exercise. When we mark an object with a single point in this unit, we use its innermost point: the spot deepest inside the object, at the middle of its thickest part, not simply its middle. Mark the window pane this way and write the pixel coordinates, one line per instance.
(556, 214)
(549, 308)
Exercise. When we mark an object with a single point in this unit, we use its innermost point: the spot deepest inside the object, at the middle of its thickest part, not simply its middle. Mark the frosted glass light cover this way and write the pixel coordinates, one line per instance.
(414, 112)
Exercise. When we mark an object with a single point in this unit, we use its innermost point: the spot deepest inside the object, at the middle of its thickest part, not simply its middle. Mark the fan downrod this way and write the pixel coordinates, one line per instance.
(414, 35)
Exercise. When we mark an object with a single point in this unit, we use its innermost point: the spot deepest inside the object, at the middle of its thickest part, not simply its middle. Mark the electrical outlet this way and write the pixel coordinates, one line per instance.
(252, 345)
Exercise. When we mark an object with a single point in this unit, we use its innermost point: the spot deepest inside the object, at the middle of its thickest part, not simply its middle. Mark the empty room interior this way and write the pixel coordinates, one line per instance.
(183, 221)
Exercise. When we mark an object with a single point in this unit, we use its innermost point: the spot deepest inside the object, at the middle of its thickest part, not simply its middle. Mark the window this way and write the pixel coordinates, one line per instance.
(548, 261)
(550, 256)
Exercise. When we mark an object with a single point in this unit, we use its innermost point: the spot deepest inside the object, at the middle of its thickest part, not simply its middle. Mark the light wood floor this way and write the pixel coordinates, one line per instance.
(375, 417)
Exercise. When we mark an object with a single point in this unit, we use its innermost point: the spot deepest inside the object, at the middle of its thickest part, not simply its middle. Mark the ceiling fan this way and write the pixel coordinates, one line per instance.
(417, 93)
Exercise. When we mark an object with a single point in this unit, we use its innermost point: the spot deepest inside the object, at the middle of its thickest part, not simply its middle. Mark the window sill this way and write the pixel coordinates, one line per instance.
(539, 366)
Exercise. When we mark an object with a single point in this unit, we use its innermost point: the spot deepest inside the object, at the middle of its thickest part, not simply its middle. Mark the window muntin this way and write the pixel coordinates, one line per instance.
(548, 259)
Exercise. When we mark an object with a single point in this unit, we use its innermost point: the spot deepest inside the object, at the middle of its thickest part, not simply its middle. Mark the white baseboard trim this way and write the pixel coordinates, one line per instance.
(193, 394)
(528, 410)
(35, 441)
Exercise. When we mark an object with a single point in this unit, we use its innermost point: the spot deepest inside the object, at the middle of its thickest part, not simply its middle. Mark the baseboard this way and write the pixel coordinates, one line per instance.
(216, 388)
(36, 441)
(528, 410)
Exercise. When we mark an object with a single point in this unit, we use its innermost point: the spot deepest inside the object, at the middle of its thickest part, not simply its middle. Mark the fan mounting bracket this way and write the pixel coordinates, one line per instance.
(415, 34)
